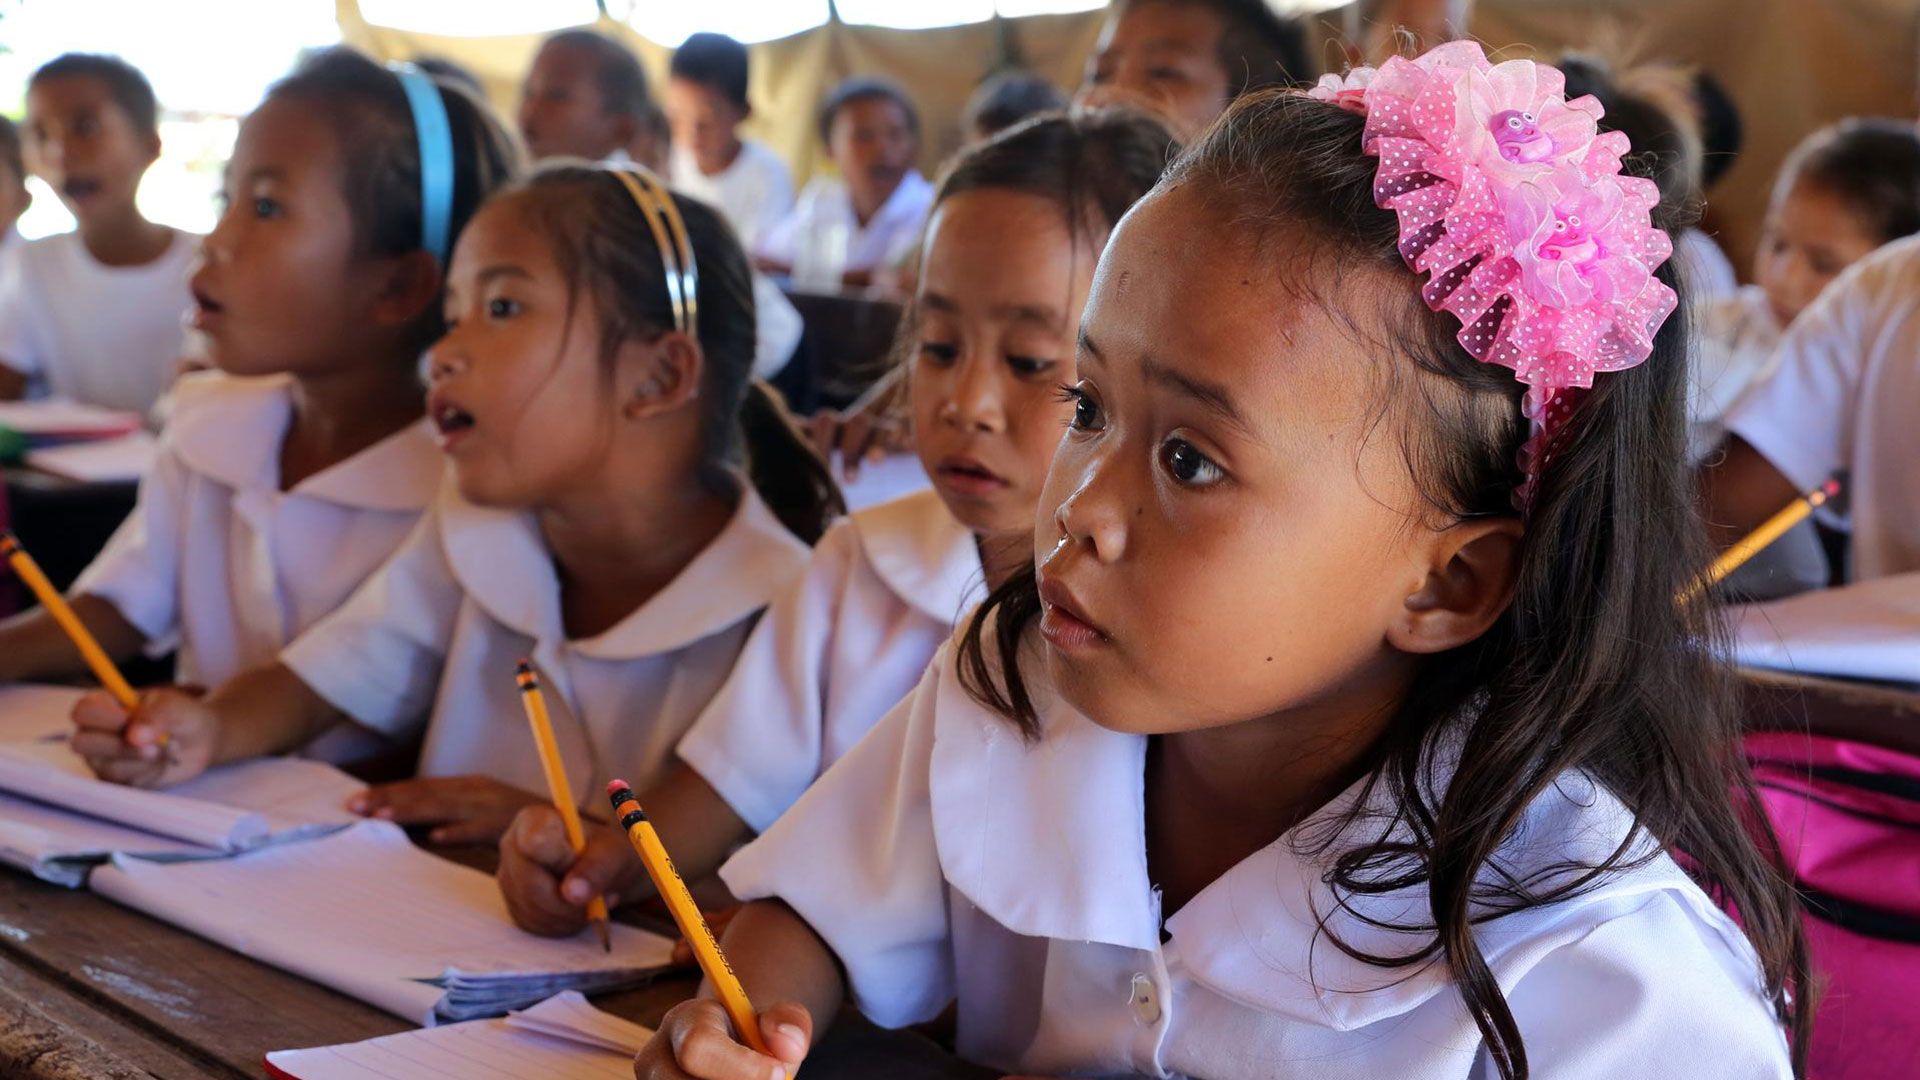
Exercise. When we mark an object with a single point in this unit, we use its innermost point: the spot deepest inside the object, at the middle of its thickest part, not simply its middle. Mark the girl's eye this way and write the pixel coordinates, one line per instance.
(1086, 414)
(264, 207)
(501, 307)
(940, 352)
(1188, 465)
(1029, 365)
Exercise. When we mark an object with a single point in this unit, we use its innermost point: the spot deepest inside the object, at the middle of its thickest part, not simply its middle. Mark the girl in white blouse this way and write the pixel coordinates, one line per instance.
(289, 474)
(1016, 230)
(1302, 751)
(592, 395)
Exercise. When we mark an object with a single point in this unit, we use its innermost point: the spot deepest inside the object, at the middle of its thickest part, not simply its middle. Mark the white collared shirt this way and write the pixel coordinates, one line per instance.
(883, 240)
(835, 652)
(217, 556)
(79, 329)
(1843, 397)
(946, 860)
(437, 633)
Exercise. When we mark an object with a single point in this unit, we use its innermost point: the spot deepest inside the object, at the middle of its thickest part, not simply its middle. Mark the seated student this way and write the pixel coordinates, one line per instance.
(1005, 98)
(1342, 725)
(1186, 60)
(1016, 229)
(600, 520)
(1654, 105)
(652, 145)
(879, 200)
(14, 196)
(583, 98)
(1844, 191)
(706, 104)
(95, 314)
(1839, 400)
(289, 475)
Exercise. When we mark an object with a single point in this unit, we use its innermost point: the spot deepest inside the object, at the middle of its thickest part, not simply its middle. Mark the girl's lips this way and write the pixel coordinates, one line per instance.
(206, 311)
(1062, 622)
(965, 476)
(450, 422)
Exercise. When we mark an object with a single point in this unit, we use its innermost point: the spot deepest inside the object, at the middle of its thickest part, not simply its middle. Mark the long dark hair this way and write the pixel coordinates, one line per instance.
(1592, 667)
(368, 109)
(604, 246)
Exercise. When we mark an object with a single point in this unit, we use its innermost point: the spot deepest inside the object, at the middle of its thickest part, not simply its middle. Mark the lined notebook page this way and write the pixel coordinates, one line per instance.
(562, 1038)
(1866, 630)
(370, 915)
(29, 713)
(50, 773)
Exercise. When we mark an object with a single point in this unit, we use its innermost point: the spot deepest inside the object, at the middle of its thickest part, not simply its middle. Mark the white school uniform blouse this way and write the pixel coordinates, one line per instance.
(946, 860)
(1844, 397)
(437, 633)
(753, 193)
(220, 559)
(835, 652)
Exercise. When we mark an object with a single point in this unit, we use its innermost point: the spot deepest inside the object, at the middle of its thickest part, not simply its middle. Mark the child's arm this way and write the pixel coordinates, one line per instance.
(547, 888)
(1741, 491)
(790, 975)
(174, 736)
(33, 646)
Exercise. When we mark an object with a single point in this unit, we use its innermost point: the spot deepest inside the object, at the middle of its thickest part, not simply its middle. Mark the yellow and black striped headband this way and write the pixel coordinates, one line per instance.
(670, 235)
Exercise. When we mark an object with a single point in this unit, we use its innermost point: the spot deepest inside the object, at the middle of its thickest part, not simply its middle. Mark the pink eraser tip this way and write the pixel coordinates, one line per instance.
(616, 785)
(1831, 487)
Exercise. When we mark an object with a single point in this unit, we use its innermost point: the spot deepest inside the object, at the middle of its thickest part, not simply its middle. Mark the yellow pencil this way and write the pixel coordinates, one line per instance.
(536, 706)
(62, 613)
(733, 997)
(1756, 541)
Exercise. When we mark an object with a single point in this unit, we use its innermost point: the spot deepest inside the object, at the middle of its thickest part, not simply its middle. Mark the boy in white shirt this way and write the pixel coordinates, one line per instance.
(706, 104)
(14, 196)
(880, 200)
(95, 314)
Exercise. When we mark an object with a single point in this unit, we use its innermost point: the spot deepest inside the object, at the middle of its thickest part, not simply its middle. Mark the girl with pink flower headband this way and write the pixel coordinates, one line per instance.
(1344, 725)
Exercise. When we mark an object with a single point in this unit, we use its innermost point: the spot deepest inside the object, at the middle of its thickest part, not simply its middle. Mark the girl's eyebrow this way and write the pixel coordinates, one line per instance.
(1213, 397)
(498, 271)
(1040, 313)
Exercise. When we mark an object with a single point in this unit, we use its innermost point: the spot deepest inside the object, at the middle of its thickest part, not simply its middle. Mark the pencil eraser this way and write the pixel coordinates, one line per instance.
(616, 786)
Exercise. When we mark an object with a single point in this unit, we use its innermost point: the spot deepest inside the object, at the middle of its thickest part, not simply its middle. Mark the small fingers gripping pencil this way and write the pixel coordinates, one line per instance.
(536, 705)
(733, 997)
(96, 657)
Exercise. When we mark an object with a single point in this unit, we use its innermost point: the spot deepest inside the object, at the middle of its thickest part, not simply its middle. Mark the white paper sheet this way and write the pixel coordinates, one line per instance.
(1866, 630)
(29, 712)
(367, 913)
(101, 461)
(562, 1038)
(55, 416)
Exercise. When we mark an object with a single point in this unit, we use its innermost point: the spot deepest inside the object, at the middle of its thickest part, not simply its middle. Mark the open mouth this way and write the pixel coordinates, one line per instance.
(80, 188)
(968, 476)
(450, 421)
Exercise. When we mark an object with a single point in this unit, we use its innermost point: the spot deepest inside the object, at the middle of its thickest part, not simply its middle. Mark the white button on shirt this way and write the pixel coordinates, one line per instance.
(216, 557)
(946, 860)
(1844, 396)
(433, 639)
(835, 652)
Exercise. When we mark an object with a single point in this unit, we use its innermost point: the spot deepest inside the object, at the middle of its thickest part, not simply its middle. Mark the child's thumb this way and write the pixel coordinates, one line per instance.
(788, 1030)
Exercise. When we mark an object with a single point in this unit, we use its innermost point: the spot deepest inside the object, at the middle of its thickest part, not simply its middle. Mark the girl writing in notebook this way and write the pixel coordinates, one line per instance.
(292, 472)
(606, 518)
(1345, 719)
(1016, 228)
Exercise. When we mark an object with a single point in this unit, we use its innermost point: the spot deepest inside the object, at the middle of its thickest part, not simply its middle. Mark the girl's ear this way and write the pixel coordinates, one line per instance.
(411, 285)
(658, 376)
(1473, 568)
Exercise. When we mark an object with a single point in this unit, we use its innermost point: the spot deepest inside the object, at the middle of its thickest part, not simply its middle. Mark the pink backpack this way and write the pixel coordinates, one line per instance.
(1848, 818)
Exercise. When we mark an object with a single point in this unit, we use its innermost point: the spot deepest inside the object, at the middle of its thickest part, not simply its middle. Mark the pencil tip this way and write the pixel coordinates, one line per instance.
(606, 936)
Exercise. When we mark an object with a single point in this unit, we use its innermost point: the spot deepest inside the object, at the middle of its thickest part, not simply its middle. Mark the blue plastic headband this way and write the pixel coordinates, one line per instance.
(436, 158)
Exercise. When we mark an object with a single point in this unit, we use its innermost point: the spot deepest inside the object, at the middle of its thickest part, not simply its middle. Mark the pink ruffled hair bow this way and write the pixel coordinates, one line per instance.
(1510, 199)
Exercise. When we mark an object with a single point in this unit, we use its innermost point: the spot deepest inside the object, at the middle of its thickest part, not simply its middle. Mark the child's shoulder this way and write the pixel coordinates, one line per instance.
(922, 553)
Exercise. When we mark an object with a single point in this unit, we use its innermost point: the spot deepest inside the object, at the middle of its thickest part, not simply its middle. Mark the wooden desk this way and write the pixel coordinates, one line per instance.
(90, 989)
(1879, 715)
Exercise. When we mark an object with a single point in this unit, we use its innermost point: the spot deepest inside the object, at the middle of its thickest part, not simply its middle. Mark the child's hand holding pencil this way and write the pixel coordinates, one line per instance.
(169, 736)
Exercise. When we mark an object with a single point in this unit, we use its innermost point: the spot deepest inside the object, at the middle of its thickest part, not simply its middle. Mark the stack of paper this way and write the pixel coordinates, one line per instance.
(1866, 630)
(56, 419)
(57, 821)
(121, 459)
(367, 913)
(562, 1038)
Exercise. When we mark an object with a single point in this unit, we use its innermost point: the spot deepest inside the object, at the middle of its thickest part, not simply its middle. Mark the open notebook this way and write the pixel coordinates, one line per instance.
(1867, 630)
(57, 821)
(367, 913)
(562, 1038)
(126, 458)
